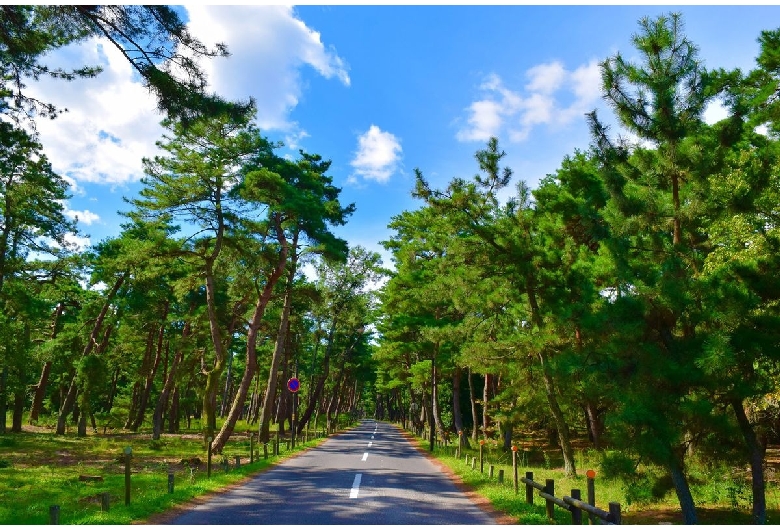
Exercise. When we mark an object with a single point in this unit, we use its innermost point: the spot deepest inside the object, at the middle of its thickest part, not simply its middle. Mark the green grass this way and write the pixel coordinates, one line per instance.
(38, 470)
(645, 497)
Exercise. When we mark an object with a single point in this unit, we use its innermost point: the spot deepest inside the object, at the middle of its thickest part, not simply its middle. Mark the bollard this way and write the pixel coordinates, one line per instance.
(500, 476)
(514, 465)
(105, 502)
(252, 448)
(481, 451)
(170, 482)
(549, 488)
(238, 461)
(208, 458)
(591, 493)
(54, 514)
(128, 455)
(289, 444)
(460, 442)
(576, 513)
(474, 463)
(491, 470)
(529, 490)
(614, 513)
(265, 450)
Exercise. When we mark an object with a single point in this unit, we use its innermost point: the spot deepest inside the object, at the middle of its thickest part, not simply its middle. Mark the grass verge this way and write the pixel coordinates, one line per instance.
(721, 497)
(38, 470)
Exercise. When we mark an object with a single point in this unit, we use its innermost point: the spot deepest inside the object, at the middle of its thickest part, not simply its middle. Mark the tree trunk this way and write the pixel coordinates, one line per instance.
(170, 383)
(226, 392)
(43, 381)
(558, 418)
(457, 415)
(595, 424)
(315, 396)
(683, 490)
(162, 402)
(70, 398)
(473, 400)
(486, 427)
(147, 389)
(173, 414)
(18, 410)
(251, 348)
(756, 449)
(40, 393)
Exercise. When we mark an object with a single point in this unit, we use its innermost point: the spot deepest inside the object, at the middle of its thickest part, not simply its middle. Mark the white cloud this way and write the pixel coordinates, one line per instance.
(268, 47)
(539, 102)
(84, 216)
(377, 155)
(546, 78)
(112, 121)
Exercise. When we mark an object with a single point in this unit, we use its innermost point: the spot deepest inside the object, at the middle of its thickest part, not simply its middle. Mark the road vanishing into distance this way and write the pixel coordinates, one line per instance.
(369, 475)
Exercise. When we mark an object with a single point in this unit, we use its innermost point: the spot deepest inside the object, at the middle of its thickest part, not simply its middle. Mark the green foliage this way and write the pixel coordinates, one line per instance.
(616, 464)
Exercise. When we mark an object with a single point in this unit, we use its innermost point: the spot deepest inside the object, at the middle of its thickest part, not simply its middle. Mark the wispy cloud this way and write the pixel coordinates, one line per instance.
(378, 155)
(84, 216)
(553, 96)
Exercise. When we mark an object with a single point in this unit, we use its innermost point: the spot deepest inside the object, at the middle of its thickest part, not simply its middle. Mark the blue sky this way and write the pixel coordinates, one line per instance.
(379, 90)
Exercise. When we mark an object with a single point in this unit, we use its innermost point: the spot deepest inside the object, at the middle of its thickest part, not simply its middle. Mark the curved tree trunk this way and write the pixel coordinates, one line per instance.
(756, 449)
(70, 398)
(683, 490)
(251, 344)
(314, 399)
(170, 382)
(474, 417)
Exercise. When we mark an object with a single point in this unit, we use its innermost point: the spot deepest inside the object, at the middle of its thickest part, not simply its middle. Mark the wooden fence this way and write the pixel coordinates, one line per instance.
(572, 503)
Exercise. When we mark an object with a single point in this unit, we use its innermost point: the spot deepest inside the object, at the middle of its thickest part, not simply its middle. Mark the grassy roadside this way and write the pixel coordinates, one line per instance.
(40, 469)
(721, 497)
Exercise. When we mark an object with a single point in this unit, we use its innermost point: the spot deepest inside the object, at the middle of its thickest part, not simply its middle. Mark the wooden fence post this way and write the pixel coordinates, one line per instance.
(128, 455)
(576, 513)
(54, 514)
(591, 475)
(514, 466)
(549, 488)
(251, 448)
(491, 470)
(614, 513)
(208, 458)
(238, 461)
(265, 450)
(500, 476)
(170, 482)
(529, 489)
(481, 451)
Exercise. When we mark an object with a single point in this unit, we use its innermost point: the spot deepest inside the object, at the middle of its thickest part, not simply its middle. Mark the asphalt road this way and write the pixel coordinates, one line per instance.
(368, 475)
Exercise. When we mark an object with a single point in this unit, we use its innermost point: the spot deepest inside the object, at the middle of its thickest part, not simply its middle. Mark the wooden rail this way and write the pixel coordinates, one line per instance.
(572, 503)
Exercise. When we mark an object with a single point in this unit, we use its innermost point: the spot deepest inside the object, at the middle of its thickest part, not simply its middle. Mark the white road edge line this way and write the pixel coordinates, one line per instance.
(355, 486)
(365, 456)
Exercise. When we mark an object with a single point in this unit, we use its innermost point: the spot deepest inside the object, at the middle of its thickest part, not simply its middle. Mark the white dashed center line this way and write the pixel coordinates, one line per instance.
(355, 486)
(365, 456)
(369, 443)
